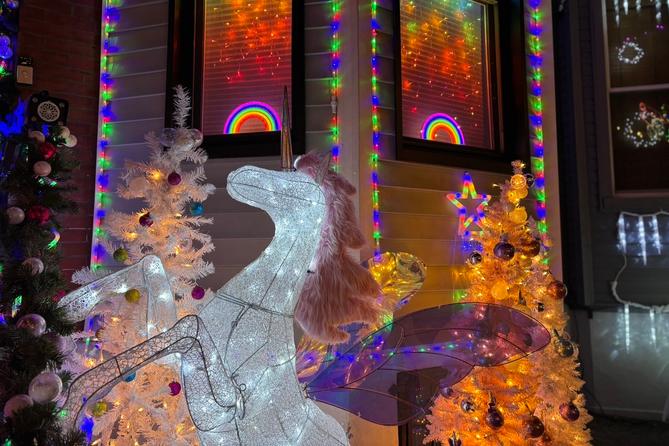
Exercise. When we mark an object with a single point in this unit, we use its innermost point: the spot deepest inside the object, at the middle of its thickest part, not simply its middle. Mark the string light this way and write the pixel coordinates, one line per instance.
(376, 135)
(630, 52)
(536, 74)
(102, 199)
(335, 46)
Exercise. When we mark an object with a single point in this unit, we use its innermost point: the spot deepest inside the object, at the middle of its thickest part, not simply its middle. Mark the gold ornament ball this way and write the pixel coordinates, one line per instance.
(500, 290)
(100, 408)
(557, 290)
(518, 215)
(522, 192)
(133, 295)
(518, 181)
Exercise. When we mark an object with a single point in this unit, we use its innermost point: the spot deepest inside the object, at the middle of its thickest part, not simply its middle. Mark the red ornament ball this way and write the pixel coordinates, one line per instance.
(494, 418)
(174, 179)
(557, 290)
(175, 388)
(39, 214)
(47, 150)
(534, 427)
(146, 220)
(569, 411)
(197, 293)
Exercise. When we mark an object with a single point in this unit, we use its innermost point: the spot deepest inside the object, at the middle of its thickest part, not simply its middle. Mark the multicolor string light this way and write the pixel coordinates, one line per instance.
(254, 110)
(102, 198)
(334, 81)
(441, 122)
(536, 75)
(376, 135)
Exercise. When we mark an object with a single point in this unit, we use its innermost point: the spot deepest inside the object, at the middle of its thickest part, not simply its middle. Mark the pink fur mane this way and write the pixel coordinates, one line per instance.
(340, 291)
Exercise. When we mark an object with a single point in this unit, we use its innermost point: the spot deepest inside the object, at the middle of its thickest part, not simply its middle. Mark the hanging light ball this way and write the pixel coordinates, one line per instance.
(45, 387)
(518, 181)
(33, 323)
(467, 406)
(569, 411)
(100, 408)
(34, 265)
(133, 295)
(564, 347)
(197, 293)
(42, 168)
(532, 249)
(37, 136)
(494, 418)
(196, 209)
(500, 290)
(475, 258)
(174, 179)
(47, 150)
(557, 290)
(518, 215)
(146, 220)
(504, 251)
(15, 215)
(121, 255)
(16, 403)
(533, 427)
(175, 388)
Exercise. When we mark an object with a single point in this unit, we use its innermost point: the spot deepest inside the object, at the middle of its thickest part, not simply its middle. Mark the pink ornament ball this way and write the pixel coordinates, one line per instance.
(175, 388)
(174, 179)
(146, 220)
(42, 168)
(197, 293)
(16, 403)
(15, 215)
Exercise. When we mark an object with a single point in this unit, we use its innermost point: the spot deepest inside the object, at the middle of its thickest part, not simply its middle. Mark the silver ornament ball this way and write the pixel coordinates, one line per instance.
(45, 387)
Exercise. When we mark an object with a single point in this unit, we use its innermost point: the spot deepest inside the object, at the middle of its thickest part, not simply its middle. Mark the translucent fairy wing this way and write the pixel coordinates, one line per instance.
(393, 375)
(400, 275)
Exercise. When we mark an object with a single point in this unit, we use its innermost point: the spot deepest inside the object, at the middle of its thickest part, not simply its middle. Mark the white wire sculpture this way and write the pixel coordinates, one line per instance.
(238, 354)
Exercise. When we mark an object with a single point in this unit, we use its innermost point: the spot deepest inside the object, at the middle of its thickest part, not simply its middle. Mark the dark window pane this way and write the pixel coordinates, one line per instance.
(445, 72)
(247, 62)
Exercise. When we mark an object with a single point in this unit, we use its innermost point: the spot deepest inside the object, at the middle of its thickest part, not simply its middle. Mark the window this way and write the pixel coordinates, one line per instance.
(450, 81)
(242, 59)
(639, 94)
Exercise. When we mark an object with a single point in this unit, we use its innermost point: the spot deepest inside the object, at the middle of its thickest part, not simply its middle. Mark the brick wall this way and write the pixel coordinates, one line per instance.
(63, 38)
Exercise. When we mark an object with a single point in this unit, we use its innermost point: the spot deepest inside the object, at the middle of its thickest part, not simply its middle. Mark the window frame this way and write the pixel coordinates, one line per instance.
(508, 99)
(186, 49)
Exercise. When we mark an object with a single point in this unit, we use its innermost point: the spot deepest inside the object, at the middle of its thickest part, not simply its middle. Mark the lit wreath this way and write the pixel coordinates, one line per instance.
(632, 47)
(655, 131)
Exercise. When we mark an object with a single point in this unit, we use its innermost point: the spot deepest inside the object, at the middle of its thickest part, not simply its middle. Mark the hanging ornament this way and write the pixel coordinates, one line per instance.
(533, 427)
(500, 290)
(33, 323)
(518, 181)
(475, 258)
(454, 440)
(196, 209)
(133, 295)
(130, 378)
(45, 387)
(494, 418)
(183, 141)
(120, 255)
(146, 220)
(521, 298)
(467, 406)
(34, 265)
(47, 150)
(540, 307)
(197, 293)
(532, 249)
(42, 168)
(518, 215)
(37, 136)
(16, 403)
(71, 141)
(167, 136)
(100, 408)
(504, 251)
(569, 411)
(557, 290)
(175, 388)
(563, 346)
(174, 179)
(15, 215)
(39, 214)
(64, 132)
(197, 137)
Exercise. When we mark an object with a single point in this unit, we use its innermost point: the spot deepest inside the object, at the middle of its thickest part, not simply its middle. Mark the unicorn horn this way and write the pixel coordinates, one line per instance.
(286, 143)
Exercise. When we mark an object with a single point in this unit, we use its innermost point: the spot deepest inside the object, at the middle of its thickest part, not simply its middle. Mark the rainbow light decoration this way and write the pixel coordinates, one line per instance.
(441, 122)
(535, 100)
(252, 110)
(102, 199)
(468, 192)
(376, 136)
(334, 81)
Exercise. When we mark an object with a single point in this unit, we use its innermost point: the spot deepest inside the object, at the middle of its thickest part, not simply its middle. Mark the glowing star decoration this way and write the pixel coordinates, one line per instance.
(252, 111)
(441, 123)
(468, 192)
(238, 355)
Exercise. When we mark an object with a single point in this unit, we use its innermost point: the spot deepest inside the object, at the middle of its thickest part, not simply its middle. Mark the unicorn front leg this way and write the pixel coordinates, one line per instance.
(212, 397)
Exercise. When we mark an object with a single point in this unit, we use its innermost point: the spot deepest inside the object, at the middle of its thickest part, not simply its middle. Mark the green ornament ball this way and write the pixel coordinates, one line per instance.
(121, 255)
(133, 295)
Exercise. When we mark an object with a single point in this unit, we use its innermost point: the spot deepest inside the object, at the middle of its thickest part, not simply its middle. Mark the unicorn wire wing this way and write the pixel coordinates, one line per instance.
(400, 275)
(393, 375)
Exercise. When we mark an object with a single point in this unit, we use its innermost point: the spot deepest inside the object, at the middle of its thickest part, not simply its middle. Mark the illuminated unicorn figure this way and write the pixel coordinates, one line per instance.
(238, 354)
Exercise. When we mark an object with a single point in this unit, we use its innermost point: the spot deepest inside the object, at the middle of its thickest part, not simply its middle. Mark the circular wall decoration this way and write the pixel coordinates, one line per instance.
(439, 124)
(645, 128)
(630, 52)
